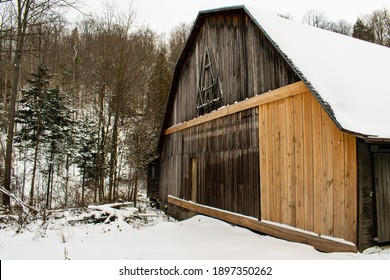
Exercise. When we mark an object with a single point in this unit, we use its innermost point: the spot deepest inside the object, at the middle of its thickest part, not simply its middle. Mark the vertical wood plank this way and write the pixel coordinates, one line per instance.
(263, 162)
(308, 161)
(328, 177)
(270, 167)
(339, 186)
(276, 161)
(317, 164)
(298, 150)
(283, 162)
(290, 161)
(194, 179)
(379, 195)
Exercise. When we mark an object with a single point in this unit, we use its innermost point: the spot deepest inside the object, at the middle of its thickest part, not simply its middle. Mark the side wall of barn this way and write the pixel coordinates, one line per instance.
(307, 166)
(215, 164)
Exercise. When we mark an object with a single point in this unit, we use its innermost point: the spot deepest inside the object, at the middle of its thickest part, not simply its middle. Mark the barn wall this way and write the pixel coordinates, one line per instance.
(153, 171)
(308, 168)
(227, 156)
(366, 188)
(245, 62)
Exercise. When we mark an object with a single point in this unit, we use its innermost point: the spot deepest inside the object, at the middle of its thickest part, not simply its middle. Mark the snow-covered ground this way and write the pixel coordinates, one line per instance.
(154, 238)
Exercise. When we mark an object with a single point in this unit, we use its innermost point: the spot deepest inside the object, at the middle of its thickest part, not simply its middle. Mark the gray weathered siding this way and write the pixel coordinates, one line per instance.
(245, 60)
(228, 163)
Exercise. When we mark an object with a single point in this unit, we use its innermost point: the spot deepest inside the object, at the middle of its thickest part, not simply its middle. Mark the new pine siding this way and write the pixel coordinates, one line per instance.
(308, 168)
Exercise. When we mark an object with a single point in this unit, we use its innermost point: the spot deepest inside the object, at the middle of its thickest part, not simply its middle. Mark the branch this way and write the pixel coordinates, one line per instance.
(18, 201)
(73, 6)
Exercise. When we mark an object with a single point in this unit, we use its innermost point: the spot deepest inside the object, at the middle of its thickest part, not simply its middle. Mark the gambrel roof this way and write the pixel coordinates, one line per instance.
(348, 76)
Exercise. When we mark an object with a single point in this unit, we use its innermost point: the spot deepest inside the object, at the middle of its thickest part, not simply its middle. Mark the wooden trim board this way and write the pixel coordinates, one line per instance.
(271, 96)
(320, 243)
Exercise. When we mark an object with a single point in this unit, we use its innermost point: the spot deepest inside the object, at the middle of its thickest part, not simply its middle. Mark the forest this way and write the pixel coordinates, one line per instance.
(81, 103)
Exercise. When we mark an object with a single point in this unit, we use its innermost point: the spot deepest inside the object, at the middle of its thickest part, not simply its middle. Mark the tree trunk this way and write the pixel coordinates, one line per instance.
(101, 150)
(66, 180)
(49, 179)
(24, 177)
(20, 38)
(83, 184)
(33, 173)
(114, 148)
(135, 188)
(11, 123)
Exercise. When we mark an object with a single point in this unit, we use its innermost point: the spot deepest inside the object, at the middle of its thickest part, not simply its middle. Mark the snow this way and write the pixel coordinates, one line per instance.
(350, 75)
(155, 238)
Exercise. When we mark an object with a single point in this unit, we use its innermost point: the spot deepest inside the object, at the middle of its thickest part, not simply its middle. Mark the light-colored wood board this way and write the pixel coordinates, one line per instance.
(322, 244)
(317, 166)
(283, 162)
(270, 167)
(339, 186)
(290, 153)
(328, 177)
(263, 162)
(298, 150)
(277, 154)
(264, 98)
(308, 160)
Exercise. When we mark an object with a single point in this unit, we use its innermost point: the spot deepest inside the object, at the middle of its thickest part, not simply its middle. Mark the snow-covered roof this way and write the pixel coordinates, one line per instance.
(350, 76)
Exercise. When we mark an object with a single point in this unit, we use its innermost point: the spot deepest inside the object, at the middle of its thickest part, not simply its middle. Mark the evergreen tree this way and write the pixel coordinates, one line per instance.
(87, 142)
(45, 119)
(363, 31)
(30, 117)
(59, 128)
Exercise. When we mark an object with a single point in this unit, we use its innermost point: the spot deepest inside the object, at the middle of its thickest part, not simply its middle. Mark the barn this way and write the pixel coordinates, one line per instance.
(281, 128)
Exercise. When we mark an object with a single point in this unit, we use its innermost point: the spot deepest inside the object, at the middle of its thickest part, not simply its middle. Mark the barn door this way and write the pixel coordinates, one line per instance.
(382, 188)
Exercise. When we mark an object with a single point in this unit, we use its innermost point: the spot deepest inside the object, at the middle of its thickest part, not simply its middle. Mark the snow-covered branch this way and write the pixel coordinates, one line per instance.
(18, 201)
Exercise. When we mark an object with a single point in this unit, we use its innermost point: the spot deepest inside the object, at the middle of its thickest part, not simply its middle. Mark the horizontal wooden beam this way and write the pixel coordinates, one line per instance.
(320, 243)
(264, 98)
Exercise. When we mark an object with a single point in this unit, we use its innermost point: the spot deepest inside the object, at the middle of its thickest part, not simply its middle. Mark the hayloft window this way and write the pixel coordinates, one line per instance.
(209, 87)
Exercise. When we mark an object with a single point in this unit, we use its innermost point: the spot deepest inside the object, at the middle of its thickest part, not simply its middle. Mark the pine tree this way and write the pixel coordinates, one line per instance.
(363, 31)
(46, 125)
(31, 119)
(59, 128)
(87, 142)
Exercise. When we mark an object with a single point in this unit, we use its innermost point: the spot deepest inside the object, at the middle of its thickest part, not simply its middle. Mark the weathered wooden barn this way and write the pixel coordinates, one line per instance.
(279, 127)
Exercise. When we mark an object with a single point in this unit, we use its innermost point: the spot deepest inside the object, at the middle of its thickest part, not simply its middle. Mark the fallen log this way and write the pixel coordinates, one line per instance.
(120, 214)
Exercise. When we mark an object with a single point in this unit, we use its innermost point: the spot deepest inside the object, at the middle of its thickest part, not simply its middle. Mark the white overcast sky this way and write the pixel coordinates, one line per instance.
(163, 15)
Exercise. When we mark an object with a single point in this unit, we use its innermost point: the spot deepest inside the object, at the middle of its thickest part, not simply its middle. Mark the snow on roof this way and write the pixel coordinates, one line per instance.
(350, 75)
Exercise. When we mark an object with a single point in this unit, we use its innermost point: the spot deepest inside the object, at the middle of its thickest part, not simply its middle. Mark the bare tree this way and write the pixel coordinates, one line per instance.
(342, 27)
(379, 21)
(177, 40)
(316, 18)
